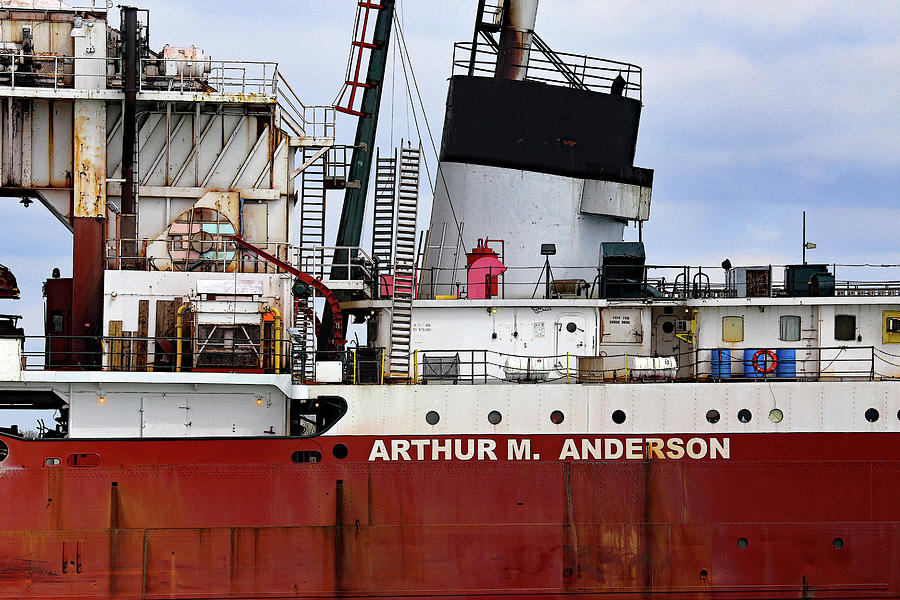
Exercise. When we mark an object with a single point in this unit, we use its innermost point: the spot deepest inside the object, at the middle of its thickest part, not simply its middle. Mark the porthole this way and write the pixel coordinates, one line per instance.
(668, 327)
(898, 415)
(618, 417)
(52, 461)
(838, 543)
(432, 417)
(340, 451)
(713, 416)
(306, 456)
(742, 543)
(744, 415)
(776, 415)
(4, 450)
(557, 417)
(704, 574)
(872, 415)
(494, 417)
(571, 327)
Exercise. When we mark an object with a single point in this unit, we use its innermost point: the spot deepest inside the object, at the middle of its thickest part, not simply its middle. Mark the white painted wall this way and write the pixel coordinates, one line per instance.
(652, 408)
(10, 359)
(524, 208)
(156, 412)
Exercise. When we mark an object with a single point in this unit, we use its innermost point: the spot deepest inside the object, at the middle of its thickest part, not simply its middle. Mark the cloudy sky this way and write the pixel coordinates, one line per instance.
(753, 112)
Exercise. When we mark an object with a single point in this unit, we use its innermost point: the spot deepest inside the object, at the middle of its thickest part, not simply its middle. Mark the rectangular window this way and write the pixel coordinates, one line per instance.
(845, 327)
(890, 333)
(789, 329)
(732, 329)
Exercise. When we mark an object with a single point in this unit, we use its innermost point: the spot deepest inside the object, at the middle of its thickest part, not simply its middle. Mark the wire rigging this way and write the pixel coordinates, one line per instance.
(405, 58)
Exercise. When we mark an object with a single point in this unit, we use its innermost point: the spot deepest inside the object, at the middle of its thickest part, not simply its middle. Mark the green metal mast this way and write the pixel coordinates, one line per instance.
(350, 227)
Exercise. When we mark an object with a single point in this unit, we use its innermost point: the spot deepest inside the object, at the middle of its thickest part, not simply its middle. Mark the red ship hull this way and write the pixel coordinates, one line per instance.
(239, 519)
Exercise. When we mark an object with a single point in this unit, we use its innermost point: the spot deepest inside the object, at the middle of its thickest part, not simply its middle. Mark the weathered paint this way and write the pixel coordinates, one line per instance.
(89, 159)
(251, 523)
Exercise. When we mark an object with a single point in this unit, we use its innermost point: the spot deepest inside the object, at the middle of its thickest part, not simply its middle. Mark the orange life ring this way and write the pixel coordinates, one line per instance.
(772, 359)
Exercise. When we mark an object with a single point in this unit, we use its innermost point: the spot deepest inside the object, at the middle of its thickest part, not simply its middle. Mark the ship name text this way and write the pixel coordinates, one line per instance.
(517, 449)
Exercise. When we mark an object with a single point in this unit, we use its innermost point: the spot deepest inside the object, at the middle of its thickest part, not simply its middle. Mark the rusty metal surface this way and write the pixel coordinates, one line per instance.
(515, 39)
(238, 519)
(90, 159)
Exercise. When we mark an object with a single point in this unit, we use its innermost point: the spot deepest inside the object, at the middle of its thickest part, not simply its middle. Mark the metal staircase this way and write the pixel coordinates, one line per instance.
(404, 261)
(385, 213)
(312, 202)
(303, 340)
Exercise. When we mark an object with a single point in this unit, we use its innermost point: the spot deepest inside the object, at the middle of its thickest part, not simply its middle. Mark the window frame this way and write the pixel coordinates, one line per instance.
(852, 336)
(781, 328)
(733, 317)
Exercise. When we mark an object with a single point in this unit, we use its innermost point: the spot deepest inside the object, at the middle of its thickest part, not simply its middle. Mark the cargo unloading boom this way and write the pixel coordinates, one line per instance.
(350, 227)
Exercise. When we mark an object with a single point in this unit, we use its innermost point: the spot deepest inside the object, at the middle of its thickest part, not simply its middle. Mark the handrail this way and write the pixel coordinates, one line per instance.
(556, 68)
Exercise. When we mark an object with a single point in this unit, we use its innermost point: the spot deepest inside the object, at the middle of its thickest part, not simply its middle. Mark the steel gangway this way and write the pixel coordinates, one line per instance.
(404, 261)
(385, 213)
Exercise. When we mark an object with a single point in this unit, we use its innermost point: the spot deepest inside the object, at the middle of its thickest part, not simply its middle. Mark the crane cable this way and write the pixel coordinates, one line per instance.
(404, 59)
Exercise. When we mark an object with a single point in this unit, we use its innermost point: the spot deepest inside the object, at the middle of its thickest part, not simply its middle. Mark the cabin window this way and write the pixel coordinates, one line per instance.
(844, 327)
(890, 333)
(732, 329)
(789, 329)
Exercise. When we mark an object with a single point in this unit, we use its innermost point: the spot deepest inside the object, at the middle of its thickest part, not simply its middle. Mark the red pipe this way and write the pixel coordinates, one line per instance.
(338, 333)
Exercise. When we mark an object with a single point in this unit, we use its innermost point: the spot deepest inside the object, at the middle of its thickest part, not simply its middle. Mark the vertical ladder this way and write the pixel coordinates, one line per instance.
(312, 205)
(383, 221)
(303, 340)
(404, 261)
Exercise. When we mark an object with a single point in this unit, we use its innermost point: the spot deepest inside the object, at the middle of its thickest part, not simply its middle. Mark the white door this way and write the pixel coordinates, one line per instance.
(572, 340)
(165, 415)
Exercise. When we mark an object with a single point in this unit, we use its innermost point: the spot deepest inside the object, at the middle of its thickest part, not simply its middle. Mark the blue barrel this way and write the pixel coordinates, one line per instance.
(749, 370)
(721, 363)
(787, 362)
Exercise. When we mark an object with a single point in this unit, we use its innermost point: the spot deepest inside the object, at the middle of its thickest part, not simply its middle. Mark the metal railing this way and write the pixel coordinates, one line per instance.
(245, 77)
(359, 365)
(654, 282)
(19, 70)
(206, 255)
(335, 262)
(555, 68)
(130, 352)
(93, 5)
(813, 363)
(313, 121)
(826, 363)
(249, 78)
(276, 353)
